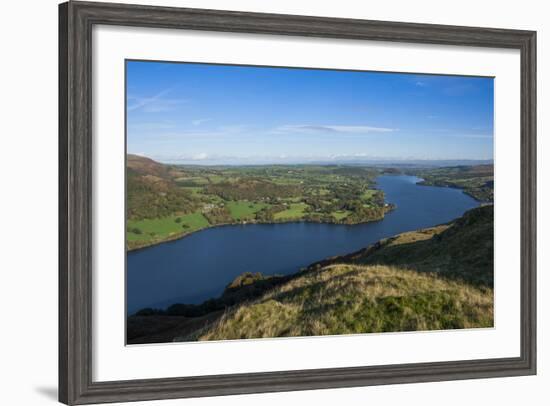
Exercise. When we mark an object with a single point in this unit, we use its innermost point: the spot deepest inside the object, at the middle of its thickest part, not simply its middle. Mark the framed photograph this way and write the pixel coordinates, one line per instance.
(258, 202)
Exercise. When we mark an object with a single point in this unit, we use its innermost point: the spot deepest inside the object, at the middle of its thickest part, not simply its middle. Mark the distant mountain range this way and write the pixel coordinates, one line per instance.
(408, 163)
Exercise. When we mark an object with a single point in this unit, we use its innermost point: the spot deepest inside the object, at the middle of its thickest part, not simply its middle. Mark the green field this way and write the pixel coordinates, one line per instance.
(244, 210)
(368, 194)
(215, 178)
(150, 230)
(295, 211)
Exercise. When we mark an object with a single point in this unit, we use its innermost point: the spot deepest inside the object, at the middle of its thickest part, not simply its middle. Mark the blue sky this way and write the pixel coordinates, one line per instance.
(220, 114)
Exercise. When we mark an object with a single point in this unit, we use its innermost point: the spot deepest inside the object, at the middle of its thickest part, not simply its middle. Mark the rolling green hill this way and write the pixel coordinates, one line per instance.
(431, 279)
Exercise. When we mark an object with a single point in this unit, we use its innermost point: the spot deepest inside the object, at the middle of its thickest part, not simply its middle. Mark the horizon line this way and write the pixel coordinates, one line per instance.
(318, 161)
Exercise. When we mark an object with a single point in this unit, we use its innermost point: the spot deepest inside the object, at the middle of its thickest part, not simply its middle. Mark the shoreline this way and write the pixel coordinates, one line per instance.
(391, 207)
(424, 182)
(173, 238)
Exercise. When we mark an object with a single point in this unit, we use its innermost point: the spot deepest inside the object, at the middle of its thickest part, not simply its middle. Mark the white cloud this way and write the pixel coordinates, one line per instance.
(199, 157)
(154, 104)
(340, 129)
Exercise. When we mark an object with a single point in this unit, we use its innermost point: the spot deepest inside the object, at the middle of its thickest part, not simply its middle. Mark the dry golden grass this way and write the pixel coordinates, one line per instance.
(415, 236)
(347, 299)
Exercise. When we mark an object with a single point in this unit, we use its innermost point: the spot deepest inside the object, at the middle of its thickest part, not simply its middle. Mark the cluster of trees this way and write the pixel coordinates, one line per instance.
(482, 194)
(319, 217)
(363, 214)
(378, 198)
(347, 199)
(268, 213)
(218, 215)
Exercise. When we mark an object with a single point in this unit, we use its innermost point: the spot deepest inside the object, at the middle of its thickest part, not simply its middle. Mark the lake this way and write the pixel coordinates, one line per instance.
(198, 267)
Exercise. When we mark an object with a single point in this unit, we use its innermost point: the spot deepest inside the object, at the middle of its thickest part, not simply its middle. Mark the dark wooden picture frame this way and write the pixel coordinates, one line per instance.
(76, 20)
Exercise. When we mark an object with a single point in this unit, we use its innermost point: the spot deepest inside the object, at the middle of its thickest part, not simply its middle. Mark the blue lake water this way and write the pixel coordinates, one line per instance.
(198, 267)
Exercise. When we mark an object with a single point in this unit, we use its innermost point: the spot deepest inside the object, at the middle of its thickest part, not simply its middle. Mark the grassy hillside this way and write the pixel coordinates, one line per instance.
(141, 165)
(461, 250)
(347, 299)
(436, 278)
(152, 192)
